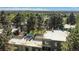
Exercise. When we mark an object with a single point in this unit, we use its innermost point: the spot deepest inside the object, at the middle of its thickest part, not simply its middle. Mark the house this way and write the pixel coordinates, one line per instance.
(52, 40)
(68, 26)
(14, 29)
(49, 41)
(38, 37)
(1, 30)
(25, 45)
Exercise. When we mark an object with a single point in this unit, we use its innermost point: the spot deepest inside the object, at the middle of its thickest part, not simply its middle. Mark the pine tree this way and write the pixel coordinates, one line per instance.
(39, 21)
(30, 23)
(18, 20)
(6, 34)
(55, 22)
(72, 43)
(71, 19)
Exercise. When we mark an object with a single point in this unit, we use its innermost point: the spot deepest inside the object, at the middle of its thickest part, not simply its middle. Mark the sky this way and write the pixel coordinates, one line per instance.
(45, 5)
(39, 3)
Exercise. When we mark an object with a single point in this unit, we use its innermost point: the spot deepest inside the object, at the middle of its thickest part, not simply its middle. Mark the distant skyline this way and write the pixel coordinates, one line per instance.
(39, 8)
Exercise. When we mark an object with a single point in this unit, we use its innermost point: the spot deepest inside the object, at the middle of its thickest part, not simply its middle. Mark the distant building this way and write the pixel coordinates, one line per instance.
(1, 30)
(68, 26)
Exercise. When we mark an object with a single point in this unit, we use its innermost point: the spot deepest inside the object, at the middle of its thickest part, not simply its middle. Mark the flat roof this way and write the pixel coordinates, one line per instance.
(1, 30)
(56, 35)
(69, 26)
(14, 29)
(32, 43)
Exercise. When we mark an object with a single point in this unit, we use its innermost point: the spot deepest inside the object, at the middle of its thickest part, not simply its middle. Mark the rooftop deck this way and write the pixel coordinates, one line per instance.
(23, 42)
(56, 35)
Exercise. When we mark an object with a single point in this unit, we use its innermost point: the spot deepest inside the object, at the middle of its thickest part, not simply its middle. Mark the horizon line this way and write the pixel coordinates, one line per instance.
(39, 8)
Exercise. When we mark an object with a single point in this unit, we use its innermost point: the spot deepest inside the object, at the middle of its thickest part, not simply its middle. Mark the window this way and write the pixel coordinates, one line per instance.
(26, 49)
(55, 44)
(46, 48)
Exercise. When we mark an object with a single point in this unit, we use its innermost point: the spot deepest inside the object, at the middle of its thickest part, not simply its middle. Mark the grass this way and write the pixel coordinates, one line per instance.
(37, 31)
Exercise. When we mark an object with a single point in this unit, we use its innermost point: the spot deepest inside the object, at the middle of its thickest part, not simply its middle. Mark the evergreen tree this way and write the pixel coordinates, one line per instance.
(18, 20)
(50, 22)
(72, 43)
(30, 23)
(6, 34)
(71, 19)
(55, 22)
(3, 18)
(39, 21)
